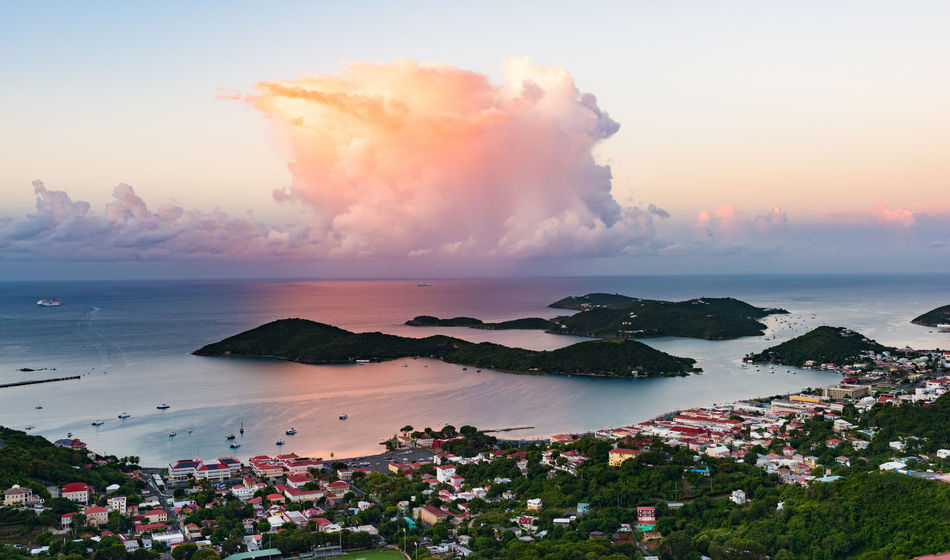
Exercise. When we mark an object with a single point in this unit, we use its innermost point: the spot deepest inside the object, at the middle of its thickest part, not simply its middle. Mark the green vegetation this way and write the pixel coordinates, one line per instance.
(529, 323)
(582, 303)
(934, 317)
(617, 316)
(311, 342)
(709, 318)
(825, 344)
(32, 461)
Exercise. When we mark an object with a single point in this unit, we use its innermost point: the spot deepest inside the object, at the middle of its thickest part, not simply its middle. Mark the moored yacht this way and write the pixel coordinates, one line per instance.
(291, 431)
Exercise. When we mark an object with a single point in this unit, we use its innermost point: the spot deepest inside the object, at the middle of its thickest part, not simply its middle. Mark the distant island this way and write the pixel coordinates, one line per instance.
(934, 317)
(529, 323)
(624, 317)
(825, 344)
(305, 341)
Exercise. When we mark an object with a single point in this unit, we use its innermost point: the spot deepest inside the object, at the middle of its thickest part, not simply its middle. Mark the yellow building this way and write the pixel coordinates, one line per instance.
(619, 455)
(17, 496)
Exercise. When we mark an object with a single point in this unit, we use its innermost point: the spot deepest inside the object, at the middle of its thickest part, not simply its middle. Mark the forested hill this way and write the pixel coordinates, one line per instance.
(825, 344)
(934, 317)
(306, 341)
(616, 316)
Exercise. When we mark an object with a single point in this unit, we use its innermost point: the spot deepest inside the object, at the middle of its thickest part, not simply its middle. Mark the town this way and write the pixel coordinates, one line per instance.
(650, 489)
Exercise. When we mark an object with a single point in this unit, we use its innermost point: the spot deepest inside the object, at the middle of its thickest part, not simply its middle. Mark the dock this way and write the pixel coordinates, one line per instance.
(33, 382)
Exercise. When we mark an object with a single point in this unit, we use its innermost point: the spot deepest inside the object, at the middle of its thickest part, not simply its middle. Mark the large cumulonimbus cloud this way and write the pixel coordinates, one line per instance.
(427, 159)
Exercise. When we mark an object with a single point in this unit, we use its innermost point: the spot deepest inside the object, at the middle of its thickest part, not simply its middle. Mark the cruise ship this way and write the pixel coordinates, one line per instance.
(49, 303)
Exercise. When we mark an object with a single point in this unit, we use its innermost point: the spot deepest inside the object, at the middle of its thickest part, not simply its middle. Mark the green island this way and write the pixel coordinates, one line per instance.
(528, 323)
(301, 340)
(934, 317)
(824, 344)
(624, 317)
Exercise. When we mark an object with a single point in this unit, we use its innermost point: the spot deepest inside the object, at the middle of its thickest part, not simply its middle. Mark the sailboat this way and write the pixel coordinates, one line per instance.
(242, 428)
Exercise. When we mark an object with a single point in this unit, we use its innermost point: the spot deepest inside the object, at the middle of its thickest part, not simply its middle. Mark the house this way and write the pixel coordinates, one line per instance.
(534, 504)
(73, 444)
(66, 519)
(738, 496)
(430, 515)
(297, 480)
(718, 451)
(157, 515)
(617, 456)
(646, 518)
(96, 515)
(117, 503)
(444, 473)
(17, 496)
(78, 492)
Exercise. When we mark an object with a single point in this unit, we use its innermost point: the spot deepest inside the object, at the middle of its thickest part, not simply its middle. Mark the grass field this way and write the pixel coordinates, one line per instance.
(381, 554)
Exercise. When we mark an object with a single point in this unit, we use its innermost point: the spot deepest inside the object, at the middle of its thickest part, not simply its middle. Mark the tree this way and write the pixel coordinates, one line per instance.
(184, 551)
(406, 429)
(205, 554)
(439, 533)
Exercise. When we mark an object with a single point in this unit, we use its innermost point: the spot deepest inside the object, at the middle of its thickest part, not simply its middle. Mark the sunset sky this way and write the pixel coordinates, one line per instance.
(364, 139)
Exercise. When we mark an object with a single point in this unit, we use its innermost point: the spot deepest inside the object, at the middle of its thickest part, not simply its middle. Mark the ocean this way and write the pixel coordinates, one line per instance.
(130, 341)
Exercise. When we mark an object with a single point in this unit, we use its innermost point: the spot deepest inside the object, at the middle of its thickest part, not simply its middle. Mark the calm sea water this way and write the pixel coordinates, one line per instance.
(131, 342)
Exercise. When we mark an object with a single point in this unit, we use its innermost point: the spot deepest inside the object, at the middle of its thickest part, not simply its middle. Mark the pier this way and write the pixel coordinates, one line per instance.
(33, 382)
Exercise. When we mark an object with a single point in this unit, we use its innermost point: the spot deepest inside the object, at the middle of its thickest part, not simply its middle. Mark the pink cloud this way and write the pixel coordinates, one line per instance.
(900, 217)
(731, 224)
(414, 158)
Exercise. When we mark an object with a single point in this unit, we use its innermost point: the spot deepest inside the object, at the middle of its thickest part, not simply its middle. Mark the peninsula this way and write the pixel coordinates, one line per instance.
(624, 317)
(825, 344)
(935, 317)
(305, 341)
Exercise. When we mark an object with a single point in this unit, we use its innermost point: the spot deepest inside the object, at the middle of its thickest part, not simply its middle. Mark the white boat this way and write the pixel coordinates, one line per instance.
(280, 442)
(172, 434)
(163, 406)
(38, 407)
(49, 303)
(343, 417)
(235, 445)
(98, 422)
(229, 436)
(291, 431)
(124, 415)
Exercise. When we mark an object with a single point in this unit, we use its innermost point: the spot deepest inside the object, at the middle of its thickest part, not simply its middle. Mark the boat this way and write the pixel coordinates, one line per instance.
(464, 369)
(235, 445)
(98, 422)
(424, 285)
(229, 436)
(242, 428)
(69, 434)
(190, 430)
(49, 303)
(405, 365)
(39, 407)
(163, 406)
(291, 431)
(172, 434)
(280, 442)
(124, 415)
(343, 417)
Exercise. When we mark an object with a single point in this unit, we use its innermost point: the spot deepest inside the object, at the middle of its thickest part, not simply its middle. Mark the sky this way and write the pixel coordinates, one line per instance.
(422, 139)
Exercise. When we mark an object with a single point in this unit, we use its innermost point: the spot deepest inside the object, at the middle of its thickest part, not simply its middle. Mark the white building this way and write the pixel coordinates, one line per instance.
(738, 496)
(444, 473)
